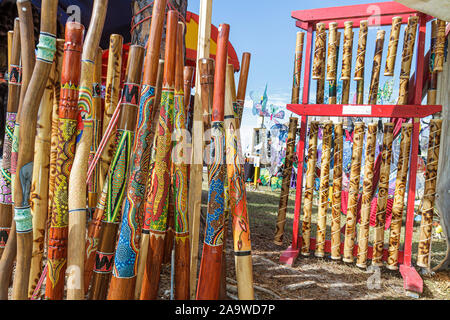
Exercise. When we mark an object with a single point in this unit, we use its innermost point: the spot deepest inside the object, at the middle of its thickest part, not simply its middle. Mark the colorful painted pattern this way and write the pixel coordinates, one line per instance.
(46, 47)
(158, 201)
(93, 182)
(117, 175)
(126, 252)
(14, 155)
(23, 219)
(215, 213)
(85, 103)
(15, 75)
(5, 176)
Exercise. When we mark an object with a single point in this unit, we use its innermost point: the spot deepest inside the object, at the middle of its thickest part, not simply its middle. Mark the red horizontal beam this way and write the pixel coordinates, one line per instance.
(376, 111)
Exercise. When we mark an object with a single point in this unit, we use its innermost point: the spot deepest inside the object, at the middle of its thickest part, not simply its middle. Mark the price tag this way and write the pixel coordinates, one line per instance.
(363, 110)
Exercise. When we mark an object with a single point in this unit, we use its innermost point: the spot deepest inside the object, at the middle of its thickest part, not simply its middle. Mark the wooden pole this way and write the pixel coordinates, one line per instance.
(14, 84)
(27, 122)
(117, 175)
(360, 62)
(383, 187)
(324, 189)
(337, 192)
(68, 114)
(309, 186)
(196, 167)
(210, 267)
(242, 87)
(112, 92)
(375, 79)
(297, 67)
(347, 61)
(39, 184)
(333, 83)
(399, 196)
(392, 47)
(122, 285)
(363, 236)
(78, 175)
(156, 206)
(440, 46)
(432, 87)
(319, 51)
(353, 192)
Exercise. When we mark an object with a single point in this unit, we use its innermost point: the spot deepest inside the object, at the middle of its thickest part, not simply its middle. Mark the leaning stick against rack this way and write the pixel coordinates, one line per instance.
(353, 192)
(383, 187)
(363, 235)
(360, 61)
(429, 195)
(309, 187)
(375, 79)
(399, 196)
(392, 47)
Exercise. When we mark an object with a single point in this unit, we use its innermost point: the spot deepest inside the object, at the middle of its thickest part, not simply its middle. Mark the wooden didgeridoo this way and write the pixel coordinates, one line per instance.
(297, 68)
(210, 266)
(123, 280)
(399, 196)
(429, 194)
(440, 46)
(332, 84)
(324, 189)
(94, 183)
(77, 181)
(319, 51)
(27, 62)
(353, 192)
(112, 92)
(432, 87)
(408, 51)
(238, 201)
(117, 175)
(27, 122)
(309, 187)
(157, 202)
(54, 133)
(242, 87)
(39, 184)
(383, 187)
(67, 124)
(14, 84)
(287, 172)
(144, 241)
(346, 61)
(188, 75)
(360, 62)
(363, 235)
(333, 50)
(376, 67)
(392, 47)
(337, 192)
(179, 176)
(205, 70)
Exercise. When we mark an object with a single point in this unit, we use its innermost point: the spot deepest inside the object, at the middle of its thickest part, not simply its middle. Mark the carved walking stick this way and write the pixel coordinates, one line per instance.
(78, 175)
(24, 168)
(122, 285)
(117, 174)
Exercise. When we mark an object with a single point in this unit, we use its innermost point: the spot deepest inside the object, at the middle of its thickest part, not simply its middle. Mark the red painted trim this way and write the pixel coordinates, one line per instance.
(378, 111)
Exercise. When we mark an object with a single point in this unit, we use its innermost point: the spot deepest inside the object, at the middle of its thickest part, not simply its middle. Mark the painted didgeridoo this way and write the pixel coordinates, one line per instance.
(399, 196)
(429, 194)
(39, 184)
(383, 187)
(14, 84)
(27, 122)
(408, 51)
(117, 175)
(353, 192)
(333, 45)
(432, 87)
(440, 46)
(78, 175)
(144, 241)
(324, 189)
(347, 52)
(211, 263)
(392, 47)
(287, 172)
(94, 183)
(337, 192)
(180, 174)
(157, 202)
(319, 51)
(112, 92)
(67, 124)
(360, 62)
(242, 87)
(376, 67)
(238, 197)
(122, 285)
(332, 84)
(309, 187)
(363, 235)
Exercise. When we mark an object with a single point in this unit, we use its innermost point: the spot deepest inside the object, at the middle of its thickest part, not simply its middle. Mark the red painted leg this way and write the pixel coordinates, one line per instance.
(288, 256)
(411, 279)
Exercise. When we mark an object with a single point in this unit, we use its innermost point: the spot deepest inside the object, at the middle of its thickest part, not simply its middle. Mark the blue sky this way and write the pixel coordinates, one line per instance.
(266, 29)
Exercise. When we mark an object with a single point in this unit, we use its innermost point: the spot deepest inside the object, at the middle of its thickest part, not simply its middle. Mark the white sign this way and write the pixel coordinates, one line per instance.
(357, 109)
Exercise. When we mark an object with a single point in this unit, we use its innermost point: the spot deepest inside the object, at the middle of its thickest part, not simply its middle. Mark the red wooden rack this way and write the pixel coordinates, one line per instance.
(378, 14)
